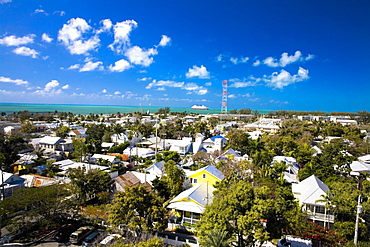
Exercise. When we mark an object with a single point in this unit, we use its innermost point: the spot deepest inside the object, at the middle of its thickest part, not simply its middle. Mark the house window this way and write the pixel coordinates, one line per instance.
(195, 180)
(204, 176)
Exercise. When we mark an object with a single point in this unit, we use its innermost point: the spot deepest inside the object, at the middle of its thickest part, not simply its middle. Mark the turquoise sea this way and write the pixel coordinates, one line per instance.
(96, 109)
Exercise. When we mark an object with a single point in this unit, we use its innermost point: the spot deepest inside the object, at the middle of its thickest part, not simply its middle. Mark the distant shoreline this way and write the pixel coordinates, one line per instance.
(112, 109)
(97, 109)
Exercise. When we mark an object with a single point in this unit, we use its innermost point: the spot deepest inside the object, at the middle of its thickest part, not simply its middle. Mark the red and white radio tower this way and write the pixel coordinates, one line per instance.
(224, 96)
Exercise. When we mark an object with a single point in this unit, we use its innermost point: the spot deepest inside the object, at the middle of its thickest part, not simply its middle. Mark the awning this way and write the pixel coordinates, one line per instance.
(187, 206)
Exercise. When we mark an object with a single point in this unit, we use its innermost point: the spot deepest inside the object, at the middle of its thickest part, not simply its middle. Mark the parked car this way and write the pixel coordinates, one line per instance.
(81, 233)
(283, 243)
(93, 238)
(64, 232)
(110, 239)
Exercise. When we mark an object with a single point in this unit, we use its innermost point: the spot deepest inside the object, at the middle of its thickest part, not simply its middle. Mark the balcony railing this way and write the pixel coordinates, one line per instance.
(322, 217)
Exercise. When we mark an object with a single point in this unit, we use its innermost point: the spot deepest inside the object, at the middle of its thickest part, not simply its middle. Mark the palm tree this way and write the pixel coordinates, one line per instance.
(215, 238)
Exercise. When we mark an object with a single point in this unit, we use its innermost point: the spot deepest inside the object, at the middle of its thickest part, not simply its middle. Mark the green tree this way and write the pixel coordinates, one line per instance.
(119, 148)
(174, 177)
(138, 208)
(215, 238)
(232, 210)
(238, 140)
(165, 110)
(43, 205)
(62, 132)
(9, 148)
(167, 156)
(80, 149)
(89, 184)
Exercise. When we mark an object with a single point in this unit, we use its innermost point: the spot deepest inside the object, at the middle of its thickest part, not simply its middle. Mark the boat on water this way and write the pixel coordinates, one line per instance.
(199, 107)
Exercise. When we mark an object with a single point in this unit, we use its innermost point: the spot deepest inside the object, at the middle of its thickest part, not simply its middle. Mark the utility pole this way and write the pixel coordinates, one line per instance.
(359, 210)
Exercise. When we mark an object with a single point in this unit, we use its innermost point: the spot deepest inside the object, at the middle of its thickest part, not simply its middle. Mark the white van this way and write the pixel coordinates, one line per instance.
(110, 239)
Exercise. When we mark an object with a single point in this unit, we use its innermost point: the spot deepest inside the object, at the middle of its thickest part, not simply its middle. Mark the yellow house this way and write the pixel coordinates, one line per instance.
(190, 204)
(208, 174)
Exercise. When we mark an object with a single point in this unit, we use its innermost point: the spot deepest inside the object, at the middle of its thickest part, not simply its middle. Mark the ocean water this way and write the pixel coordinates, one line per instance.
(97, 109)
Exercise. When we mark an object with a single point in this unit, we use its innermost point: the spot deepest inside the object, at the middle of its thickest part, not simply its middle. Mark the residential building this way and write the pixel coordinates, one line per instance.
(208, 175)
(190, 204)
(131, 179)
(10, 183)
(51, 143)
(311, 194)
(157, 169)
(38, 181)
(214, 143)
(77, 133)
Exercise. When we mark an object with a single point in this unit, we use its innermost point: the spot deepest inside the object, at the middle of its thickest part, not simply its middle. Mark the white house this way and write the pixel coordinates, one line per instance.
(214, 143)
(140, 152)
(156, 169)
(108, 158)
(311, 194)
(181, 146)
(119, 138)
(11, 130)
(291, 173)
(52, 143)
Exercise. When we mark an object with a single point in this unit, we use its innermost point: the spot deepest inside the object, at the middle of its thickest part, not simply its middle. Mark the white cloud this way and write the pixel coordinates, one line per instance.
(164, 41)
(66, 87)
(5, 1)
(161, 83)
(122, 32)
(286, 59)
(75, 66)
(14, 41)
(104, 91)
(190, 87)
(145, 79)
(219, 58)
(257, 63)
(250, 82)
(46, 38)
(49, 89)
(40, 11)
(51, 85)
(25, 51)
(59, 12)
(106, 26)
(117, 92)
(200, 72)
(284, 78)
(138, 56)
(16, 81)
(236, 60)
(120, 66)
(90, 66)
(71, 36)
(193, 87)
(208, 84)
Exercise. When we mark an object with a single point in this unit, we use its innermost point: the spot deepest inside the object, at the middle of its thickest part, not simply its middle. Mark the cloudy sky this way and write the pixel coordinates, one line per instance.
(286, 54)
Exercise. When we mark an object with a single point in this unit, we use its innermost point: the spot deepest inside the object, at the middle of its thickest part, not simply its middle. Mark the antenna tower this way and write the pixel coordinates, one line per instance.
(224, 96)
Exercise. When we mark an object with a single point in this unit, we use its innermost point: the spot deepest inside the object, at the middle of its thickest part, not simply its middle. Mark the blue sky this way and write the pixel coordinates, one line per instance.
(287, 54)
